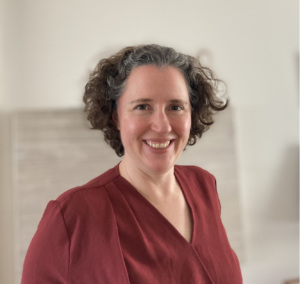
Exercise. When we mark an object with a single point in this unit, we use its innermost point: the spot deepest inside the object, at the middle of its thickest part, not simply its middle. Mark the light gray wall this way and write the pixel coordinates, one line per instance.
(48, 48)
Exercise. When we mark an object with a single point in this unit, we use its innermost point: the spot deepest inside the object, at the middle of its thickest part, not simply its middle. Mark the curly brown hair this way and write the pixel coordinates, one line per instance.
(107, 83)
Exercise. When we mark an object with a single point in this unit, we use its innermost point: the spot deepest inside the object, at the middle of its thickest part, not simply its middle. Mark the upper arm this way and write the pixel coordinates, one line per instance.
(47, 258)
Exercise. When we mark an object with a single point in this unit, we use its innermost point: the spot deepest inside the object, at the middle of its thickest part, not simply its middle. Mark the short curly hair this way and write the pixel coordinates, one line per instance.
(107, 83)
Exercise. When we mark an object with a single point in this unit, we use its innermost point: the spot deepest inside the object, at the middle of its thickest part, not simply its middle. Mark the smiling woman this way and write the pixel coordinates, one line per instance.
(146, 220)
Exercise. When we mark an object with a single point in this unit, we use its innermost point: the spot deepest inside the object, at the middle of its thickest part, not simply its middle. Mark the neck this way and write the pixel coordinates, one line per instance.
(159, 186)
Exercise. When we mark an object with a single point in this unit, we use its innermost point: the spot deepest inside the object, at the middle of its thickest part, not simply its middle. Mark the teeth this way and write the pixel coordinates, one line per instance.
(158, 145)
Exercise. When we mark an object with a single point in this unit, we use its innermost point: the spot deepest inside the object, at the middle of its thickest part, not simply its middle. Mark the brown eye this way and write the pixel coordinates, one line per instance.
(176, 108)
(142, 107)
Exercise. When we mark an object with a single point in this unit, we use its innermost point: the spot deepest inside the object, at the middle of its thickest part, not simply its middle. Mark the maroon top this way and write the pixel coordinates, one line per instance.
(106, 232)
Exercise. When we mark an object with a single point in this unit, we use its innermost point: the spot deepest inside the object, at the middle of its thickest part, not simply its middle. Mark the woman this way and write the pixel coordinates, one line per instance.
(145, 220)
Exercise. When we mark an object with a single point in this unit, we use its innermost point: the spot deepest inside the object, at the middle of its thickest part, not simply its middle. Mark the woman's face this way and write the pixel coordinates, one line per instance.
(154, 118)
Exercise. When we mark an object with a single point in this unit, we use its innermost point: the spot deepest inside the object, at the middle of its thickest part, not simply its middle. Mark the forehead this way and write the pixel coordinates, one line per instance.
(150, 80)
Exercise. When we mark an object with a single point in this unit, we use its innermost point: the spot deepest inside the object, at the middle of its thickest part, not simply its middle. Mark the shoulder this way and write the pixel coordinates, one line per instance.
(194, 173)
(90, 190)
(201, 180)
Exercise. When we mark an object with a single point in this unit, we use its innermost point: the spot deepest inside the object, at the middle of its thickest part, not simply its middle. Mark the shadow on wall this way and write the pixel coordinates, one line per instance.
(284, 203)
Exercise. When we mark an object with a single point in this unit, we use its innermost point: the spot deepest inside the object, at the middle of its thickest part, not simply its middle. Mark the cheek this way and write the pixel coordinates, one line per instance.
(183, 127)
(131, 128)
(188, 125)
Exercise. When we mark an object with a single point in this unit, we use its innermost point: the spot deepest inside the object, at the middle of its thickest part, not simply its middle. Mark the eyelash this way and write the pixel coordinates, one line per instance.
(138, 107)
(180, 107)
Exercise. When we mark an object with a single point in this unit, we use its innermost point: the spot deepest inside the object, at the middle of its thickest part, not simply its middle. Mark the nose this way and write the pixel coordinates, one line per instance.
(160, 123)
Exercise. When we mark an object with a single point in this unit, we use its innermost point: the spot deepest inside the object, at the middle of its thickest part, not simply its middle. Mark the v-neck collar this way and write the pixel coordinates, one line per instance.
(187, 197)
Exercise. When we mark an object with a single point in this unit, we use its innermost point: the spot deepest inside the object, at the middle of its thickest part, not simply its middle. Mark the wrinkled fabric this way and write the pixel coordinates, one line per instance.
(106, 232)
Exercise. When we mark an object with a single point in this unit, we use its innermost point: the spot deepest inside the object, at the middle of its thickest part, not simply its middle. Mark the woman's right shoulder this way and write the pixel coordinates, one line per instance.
(76, 217)
(94, 189)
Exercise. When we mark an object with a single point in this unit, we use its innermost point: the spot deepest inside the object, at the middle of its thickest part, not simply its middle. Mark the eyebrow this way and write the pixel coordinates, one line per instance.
(179, 102)
(141, 101)
(146, 100)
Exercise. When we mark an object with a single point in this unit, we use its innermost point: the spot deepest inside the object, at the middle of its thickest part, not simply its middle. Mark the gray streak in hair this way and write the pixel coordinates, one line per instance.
(148, 55)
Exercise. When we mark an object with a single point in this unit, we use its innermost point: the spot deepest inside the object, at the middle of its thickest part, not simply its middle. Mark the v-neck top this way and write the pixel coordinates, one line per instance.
(107, 232)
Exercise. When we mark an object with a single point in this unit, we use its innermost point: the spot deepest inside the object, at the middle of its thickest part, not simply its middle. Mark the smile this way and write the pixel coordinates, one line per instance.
(158, 145)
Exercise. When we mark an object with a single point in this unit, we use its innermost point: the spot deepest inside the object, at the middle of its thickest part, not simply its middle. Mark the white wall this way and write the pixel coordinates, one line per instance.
(49, 47)
(8, 38)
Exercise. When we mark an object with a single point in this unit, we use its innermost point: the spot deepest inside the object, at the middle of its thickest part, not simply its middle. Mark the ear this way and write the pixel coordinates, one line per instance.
(116, 120)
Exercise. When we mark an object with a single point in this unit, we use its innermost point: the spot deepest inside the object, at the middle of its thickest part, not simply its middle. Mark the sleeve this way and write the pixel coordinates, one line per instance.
(47, 258)
(220, 207)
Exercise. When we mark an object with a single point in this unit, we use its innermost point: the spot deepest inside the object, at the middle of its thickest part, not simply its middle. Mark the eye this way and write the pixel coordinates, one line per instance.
(142, 107)
(176, 108)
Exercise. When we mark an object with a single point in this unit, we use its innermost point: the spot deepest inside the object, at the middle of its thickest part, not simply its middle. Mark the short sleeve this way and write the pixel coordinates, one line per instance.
(47, 258)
